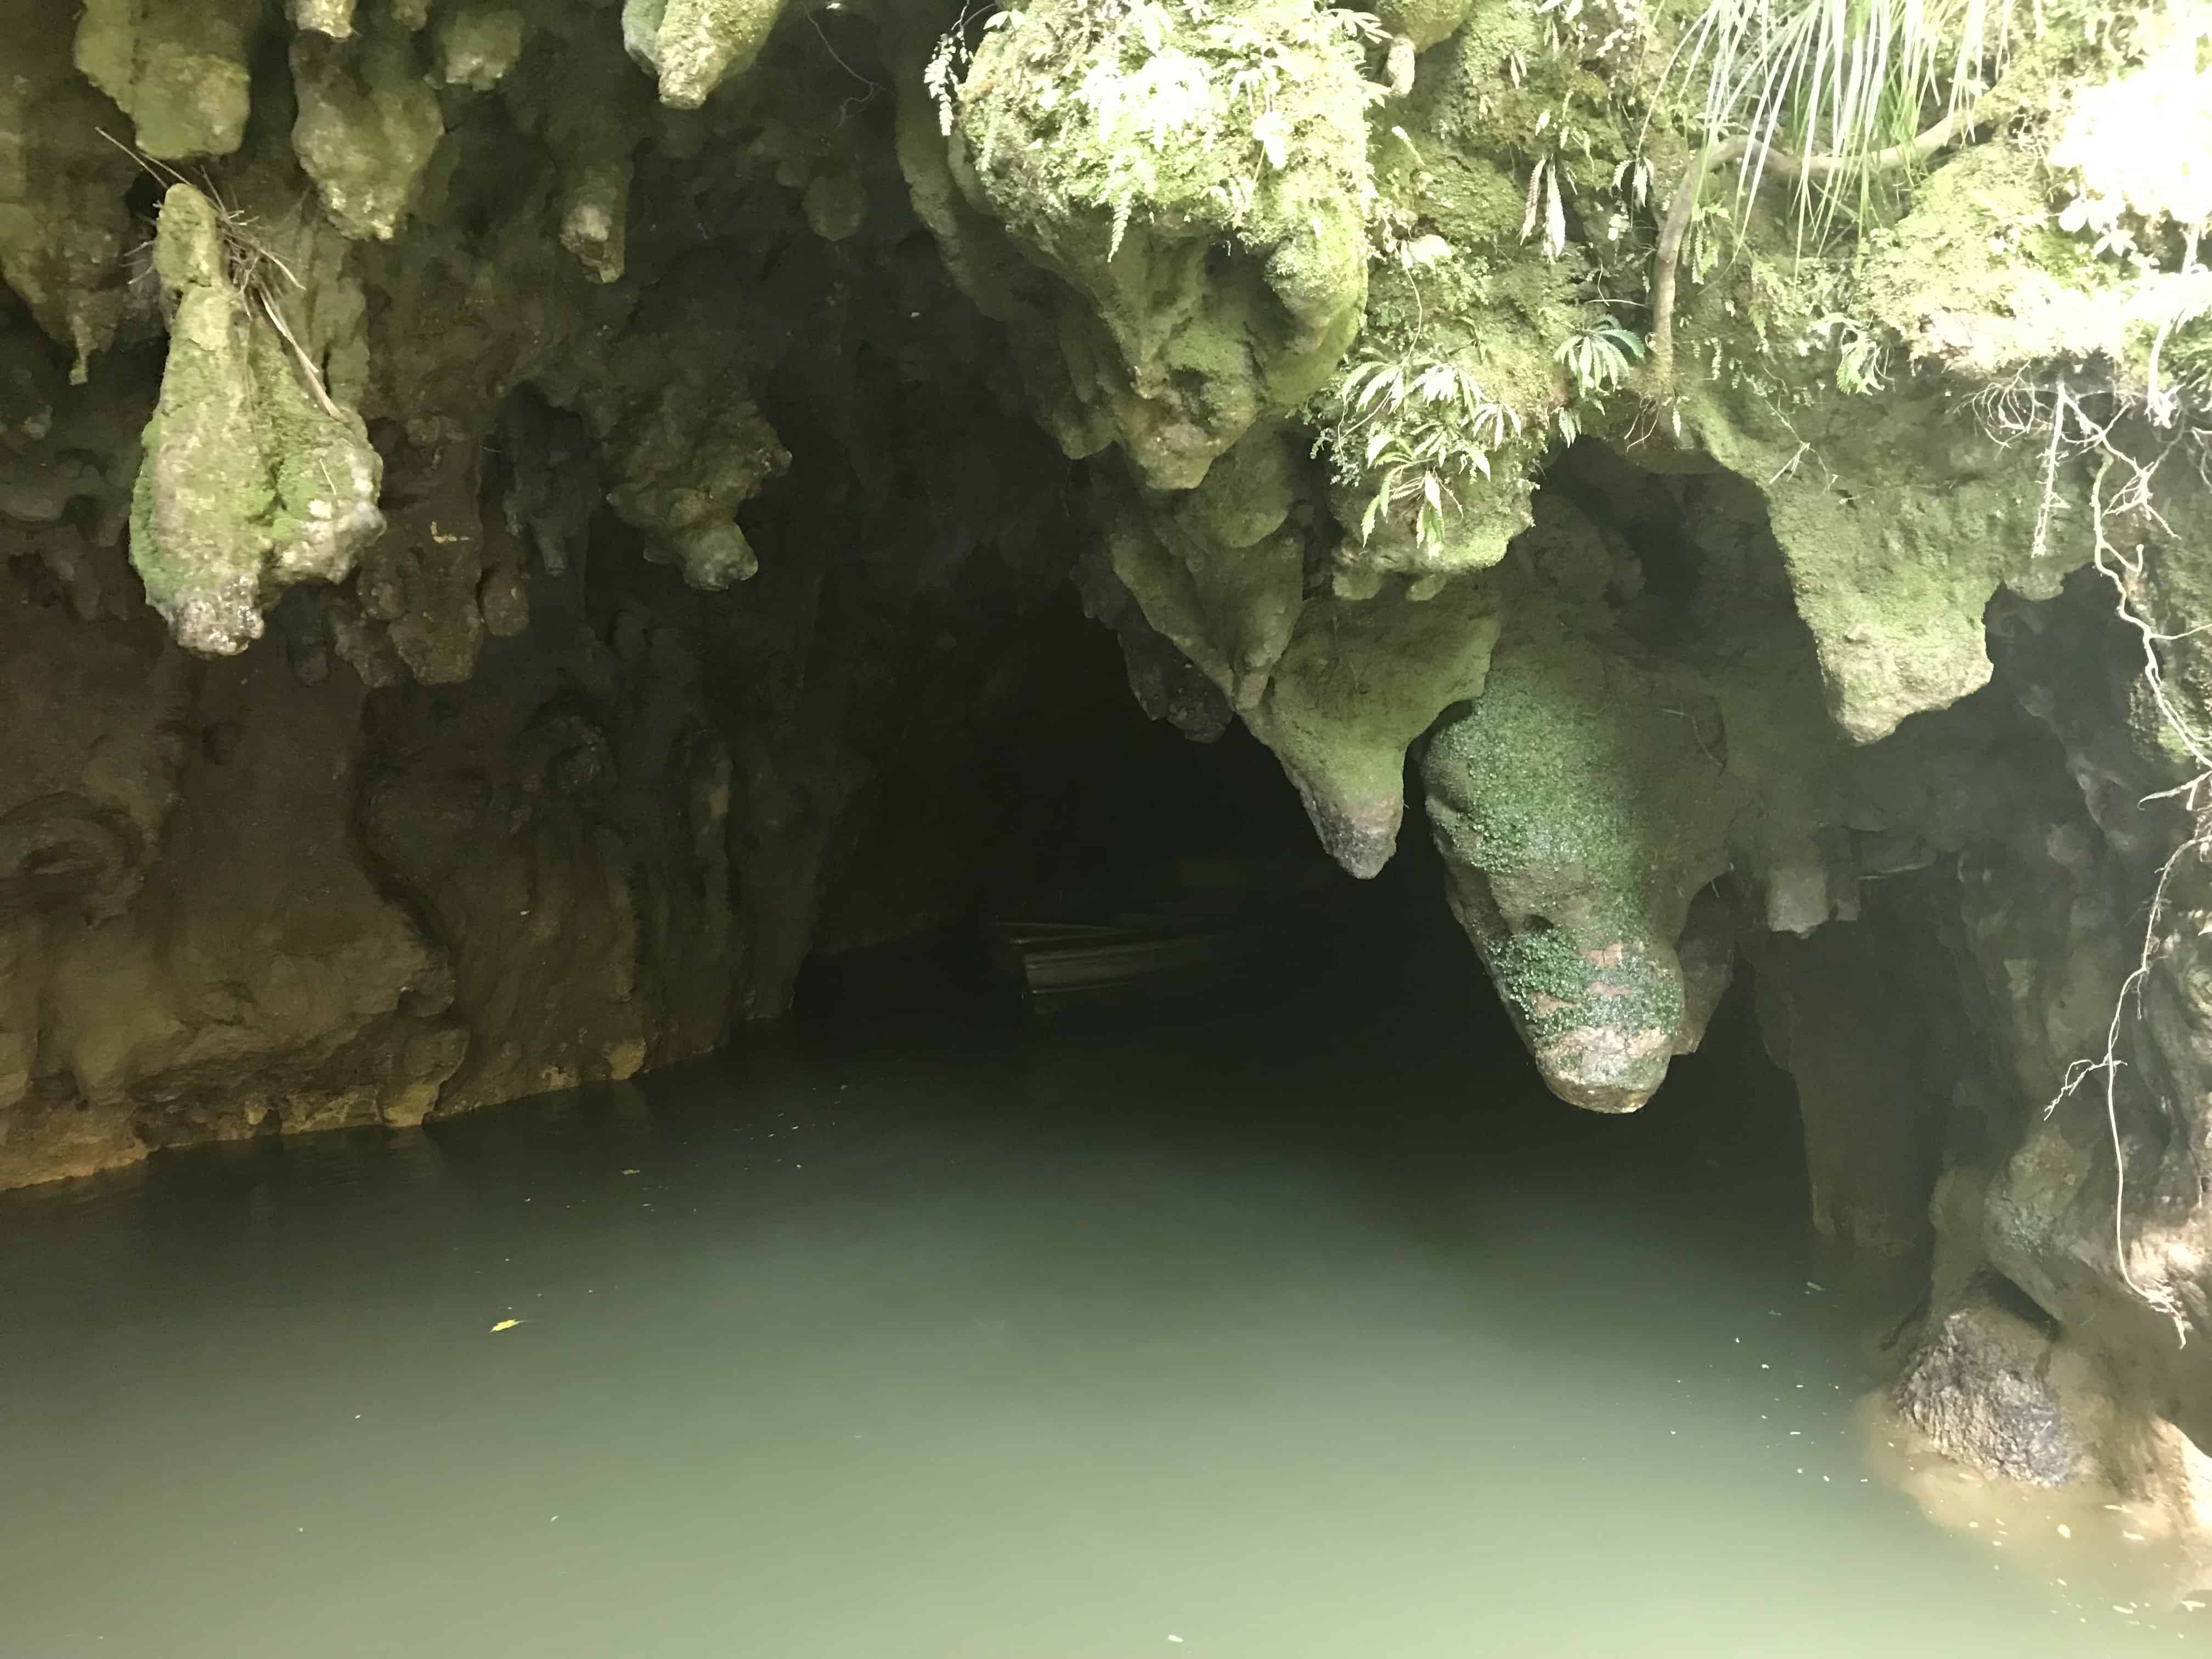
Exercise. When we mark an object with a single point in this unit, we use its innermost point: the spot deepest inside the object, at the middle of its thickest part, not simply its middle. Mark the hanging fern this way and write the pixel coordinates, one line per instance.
(1411, 432)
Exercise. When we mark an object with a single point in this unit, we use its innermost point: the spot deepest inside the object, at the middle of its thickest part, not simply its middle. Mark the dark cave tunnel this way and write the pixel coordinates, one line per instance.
(1092, 809)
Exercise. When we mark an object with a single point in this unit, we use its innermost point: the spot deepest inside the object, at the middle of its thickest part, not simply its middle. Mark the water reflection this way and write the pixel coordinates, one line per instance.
(1291, 1334)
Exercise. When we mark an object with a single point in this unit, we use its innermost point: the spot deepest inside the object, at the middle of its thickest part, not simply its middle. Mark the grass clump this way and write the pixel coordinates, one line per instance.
(1836, 93)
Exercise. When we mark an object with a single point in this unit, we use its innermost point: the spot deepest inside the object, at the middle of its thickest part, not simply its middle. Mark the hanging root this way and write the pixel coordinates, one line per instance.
(2124, 573)
(251, 267)
(1667, 252)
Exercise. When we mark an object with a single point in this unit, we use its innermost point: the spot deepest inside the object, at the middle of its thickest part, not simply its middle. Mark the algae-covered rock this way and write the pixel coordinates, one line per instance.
(694, 45)
(1360, 681)
(1897, 541)
(369, 122)
(1580, 805)
(254, 478)
(180, 73)
(1197, 181)
(680, 466)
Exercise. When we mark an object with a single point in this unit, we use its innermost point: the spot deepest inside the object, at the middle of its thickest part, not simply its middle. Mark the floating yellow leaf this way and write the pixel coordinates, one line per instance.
(504, 1325)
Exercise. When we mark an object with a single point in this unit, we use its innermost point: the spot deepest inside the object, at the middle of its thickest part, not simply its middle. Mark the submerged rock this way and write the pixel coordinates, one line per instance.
(1979, 1389)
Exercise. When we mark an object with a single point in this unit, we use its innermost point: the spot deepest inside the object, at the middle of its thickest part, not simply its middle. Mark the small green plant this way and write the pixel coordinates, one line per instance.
(1598, 358)
(948, 64)
(1861, 360)
(1833, 94)
(1544, 199)
(1413, 431)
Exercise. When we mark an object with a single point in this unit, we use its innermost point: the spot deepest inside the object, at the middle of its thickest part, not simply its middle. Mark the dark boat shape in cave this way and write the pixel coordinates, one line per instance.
(1231, 930)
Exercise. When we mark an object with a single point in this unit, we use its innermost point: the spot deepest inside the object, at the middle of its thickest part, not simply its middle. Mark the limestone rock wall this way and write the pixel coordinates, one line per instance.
(362, 764)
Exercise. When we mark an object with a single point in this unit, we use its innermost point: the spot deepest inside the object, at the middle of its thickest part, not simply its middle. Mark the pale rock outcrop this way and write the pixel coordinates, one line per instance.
(254, 477)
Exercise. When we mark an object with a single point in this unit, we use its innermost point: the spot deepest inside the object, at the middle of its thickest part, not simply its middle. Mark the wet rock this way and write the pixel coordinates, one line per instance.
(180, 72)
(1978, 1387)
(369, 124)
(694, 45)
(254, 477)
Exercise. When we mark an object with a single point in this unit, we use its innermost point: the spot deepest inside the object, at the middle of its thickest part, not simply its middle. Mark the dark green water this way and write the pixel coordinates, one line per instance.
(1275, 1337)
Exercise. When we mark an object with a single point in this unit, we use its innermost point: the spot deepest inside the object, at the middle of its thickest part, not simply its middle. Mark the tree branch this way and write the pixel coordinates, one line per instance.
(1666, 257)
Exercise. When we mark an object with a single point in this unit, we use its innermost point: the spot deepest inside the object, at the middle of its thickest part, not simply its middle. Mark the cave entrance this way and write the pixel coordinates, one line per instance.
(1370, 1015)
(1077, 817)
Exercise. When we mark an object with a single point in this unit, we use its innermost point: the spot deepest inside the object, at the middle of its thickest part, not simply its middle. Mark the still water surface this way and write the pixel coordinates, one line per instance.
(1281, 1335)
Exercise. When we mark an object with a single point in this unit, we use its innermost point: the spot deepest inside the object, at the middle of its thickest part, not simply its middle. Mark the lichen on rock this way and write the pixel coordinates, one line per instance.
(180, 73)
(254, 477)
(369, 124)
(694, 45)
(1197, 181)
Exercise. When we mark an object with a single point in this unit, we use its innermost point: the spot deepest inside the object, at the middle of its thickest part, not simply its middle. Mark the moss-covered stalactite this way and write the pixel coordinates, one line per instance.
(502, 502)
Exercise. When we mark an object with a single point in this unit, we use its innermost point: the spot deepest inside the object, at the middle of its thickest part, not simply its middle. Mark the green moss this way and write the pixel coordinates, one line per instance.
(1579, 766)
(369, 124)
(1198, 181)
(249, 483)
(1580, 803)
(694, 45)
(1548, 980)
(178, 72)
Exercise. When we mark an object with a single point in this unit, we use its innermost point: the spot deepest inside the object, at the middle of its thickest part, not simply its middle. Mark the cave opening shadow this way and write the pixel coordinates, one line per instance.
(1371, 1041)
